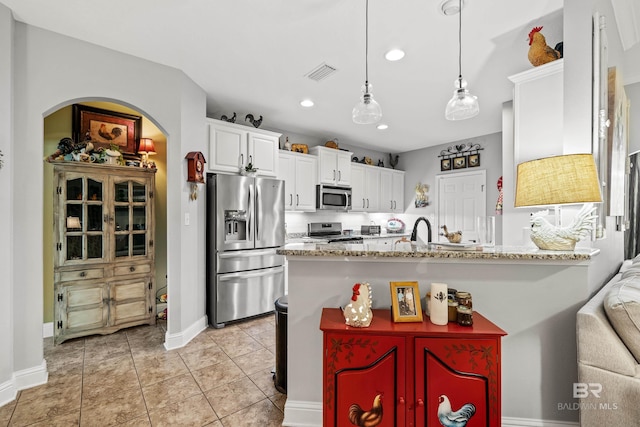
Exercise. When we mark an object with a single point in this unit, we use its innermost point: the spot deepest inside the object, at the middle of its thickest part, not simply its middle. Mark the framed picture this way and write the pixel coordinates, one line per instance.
(445, 164)
(474, 160)
(405, 302)
(460, 162)
(106, 127)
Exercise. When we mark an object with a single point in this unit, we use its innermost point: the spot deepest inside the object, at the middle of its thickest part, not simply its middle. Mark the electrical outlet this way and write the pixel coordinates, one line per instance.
(186, 219)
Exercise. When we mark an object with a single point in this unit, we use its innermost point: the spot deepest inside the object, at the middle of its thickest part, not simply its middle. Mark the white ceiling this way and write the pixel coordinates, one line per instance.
(251, 56)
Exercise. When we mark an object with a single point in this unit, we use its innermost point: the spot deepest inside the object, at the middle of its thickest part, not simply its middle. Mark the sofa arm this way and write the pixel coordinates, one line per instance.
(598, 343)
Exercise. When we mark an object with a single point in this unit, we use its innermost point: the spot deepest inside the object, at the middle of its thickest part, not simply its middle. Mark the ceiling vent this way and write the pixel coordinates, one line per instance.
(321, 72)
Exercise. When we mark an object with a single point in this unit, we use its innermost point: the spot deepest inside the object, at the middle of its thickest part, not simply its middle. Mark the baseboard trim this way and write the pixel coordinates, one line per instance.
(47, 330)
(302, 414)
(529, 422)
(21, 380)
(174, 341)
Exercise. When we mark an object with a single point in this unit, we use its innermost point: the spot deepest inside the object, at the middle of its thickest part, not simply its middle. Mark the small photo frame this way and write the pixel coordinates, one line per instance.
(405, 302)
(474, 160)
(460, 162)
(106, 127)
(445, 164)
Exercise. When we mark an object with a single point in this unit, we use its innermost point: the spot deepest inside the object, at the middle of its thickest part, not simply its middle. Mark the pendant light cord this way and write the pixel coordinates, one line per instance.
(366, 47)
(459, 44)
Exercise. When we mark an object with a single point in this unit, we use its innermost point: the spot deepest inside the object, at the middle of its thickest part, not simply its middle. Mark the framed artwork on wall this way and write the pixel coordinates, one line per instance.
(474, 160)
(405, 302)
(445, 164)
(105, 128)
(460, 162)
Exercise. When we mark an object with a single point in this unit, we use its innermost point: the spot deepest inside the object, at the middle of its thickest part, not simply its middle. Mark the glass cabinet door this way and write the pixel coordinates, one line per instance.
(83, 221)
(131, 219)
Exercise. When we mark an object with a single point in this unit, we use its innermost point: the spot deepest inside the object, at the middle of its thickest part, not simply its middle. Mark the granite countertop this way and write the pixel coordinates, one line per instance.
(422, 251)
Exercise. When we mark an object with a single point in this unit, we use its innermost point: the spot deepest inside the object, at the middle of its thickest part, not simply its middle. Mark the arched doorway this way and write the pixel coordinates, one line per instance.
(58, 125)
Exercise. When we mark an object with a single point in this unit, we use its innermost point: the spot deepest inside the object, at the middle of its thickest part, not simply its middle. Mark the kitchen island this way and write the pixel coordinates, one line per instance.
(533, 295)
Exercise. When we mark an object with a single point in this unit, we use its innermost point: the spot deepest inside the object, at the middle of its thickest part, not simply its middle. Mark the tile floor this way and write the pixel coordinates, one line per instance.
(222, 378)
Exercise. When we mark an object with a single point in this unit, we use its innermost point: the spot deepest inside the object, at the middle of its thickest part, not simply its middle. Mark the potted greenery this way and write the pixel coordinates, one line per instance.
(249, 170)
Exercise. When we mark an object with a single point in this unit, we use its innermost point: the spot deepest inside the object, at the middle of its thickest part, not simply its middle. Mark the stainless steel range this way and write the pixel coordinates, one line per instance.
(332, 231)
(245, 227)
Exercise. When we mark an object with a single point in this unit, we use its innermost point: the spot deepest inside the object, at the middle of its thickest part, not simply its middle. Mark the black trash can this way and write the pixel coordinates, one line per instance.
(280, 376)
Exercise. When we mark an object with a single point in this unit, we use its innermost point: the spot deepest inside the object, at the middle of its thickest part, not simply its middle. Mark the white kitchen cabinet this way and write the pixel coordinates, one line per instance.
(334, 166)
(365, 188)
(232, 147)
(391, 190)
(299, 172)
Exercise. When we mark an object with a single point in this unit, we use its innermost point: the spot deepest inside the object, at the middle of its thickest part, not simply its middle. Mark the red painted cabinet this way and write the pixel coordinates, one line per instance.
(409, 374)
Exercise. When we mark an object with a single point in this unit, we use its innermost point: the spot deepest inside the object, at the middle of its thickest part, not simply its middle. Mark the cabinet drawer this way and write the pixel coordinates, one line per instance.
(124, 270)
(90, 273)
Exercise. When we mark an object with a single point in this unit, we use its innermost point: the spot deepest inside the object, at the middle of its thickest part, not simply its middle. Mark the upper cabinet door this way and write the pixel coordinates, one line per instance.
(81, 218)
(263, 153)
(305, 198)
(344, 168)
(227, 148)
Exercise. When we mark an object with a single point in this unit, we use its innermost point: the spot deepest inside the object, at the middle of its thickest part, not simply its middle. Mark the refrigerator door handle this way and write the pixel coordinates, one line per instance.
(243, 275)
(257, 210)
(250, 213)
(247, 254)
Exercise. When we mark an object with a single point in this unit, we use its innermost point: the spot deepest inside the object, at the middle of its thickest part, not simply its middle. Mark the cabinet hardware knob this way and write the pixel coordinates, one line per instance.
(297, 200)
(132, 269)
(83, 273)
(401, 400)
(420, 402)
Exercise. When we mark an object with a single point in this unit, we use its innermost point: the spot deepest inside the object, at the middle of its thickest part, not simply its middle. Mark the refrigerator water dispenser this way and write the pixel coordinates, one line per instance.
(235, 225)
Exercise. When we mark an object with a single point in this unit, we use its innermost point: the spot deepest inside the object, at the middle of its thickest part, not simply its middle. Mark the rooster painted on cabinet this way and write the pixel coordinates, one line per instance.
(371, 418)
(450, 418)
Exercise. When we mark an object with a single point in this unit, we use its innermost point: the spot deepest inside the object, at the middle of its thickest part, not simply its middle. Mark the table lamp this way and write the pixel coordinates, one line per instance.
(555, 181)
(146, 148)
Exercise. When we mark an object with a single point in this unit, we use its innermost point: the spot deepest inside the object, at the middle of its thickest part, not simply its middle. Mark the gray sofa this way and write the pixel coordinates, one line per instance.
(608, 334)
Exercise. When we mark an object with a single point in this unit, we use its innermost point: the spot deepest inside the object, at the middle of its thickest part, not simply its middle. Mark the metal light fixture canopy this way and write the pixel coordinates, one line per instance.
(462, 105)
(367, 110)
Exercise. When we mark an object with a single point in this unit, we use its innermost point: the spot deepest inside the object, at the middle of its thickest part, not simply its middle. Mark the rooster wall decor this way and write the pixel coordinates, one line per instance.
(539, 52)
(550, 237)
(371, 418)
(450, 418)
(255, 122)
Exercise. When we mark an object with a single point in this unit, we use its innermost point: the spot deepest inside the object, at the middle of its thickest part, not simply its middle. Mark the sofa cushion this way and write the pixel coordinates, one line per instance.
(622, 305)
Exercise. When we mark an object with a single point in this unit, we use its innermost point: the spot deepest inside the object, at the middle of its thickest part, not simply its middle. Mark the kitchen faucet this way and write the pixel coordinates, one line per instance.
(414, 234)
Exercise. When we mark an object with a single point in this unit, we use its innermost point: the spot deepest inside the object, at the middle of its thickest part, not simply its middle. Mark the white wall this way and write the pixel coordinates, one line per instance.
(7, 392)
(51, 71)
(633, 94)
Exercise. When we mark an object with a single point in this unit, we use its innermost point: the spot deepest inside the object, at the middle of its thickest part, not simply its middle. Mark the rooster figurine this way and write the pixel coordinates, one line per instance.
(450, 418)
(370, 418)
(549, 237)
(454, 237)
(231, 119)
(255, 122)
(539, 52)
(358, 312)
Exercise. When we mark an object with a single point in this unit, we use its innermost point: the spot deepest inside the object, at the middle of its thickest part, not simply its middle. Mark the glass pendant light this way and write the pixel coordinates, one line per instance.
(462, 105)
(366, 111)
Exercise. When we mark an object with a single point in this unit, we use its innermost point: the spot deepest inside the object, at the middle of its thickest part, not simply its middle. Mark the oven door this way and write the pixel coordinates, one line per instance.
(333, 198)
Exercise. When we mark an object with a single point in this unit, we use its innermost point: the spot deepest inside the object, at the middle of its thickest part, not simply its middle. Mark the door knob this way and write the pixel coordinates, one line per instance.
(401, 400)
(420, 402)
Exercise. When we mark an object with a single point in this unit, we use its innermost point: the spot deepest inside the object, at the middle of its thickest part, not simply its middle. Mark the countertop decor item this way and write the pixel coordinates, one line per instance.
(554, 181)
(367, 110)
(358, 312)
(395, 225)
(454, 237)
(462, 105)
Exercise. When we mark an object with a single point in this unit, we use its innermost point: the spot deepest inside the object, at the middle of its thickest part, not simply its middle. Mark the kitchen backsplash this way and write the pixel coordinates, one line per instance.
(296, 222)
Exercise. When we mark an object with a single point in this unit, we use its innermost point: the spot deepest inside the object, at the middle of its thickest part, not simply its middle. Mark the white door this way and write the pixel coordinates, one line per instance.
(461, 199)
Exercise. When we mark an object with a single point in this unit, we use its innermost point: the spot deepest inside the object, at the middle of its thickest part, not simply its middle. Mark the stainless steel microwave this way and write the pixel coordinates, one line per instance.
(333, 198)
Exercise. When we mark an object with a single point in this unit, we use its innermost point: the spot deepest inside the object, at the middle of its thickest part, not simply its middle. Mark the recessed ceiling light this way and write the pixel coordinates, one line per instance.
(394, 55)
(382, 126)
(306, 103)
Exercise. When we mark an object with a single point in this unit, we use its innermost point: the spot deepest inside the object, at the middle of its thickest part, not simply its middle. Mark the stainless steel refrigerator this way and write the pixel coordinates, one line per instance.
(245, 226)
